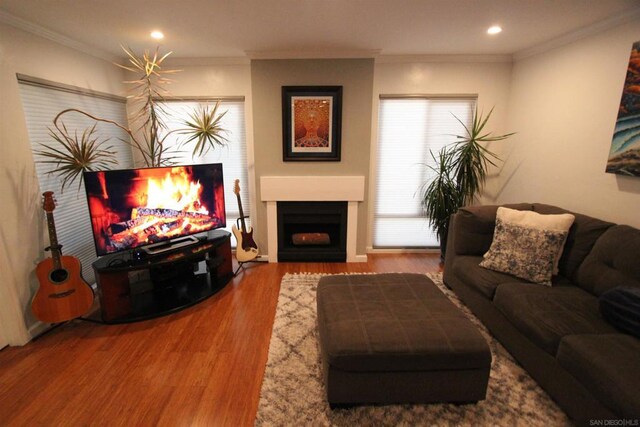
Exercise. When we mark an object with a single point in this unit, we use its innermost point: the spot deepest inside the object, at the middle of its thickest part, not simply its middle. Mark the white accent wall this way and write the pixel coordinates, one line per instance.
(488, 77)
(564, 104)
(22, 225)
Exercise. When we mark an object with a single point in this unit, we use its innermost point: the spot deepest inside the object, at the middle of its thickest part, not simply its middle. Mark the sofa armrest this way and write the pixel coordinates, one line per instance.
(471, 232)
(474, 225)
(472, 228)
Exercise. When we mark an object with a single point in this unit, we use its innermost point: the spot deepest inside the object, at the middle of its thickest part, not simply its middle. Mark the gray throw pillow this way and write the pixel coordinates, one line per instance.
(525, 252)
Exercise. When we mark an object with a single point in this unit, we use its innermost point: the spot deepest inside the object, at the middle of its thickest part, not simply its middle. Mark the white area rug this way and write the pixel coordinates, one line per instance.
(293, 390)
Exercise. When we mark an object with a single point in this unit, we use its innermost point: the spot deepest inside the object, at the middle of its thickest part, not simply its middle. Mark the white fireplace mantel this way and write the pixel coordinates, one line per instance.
(350, 189)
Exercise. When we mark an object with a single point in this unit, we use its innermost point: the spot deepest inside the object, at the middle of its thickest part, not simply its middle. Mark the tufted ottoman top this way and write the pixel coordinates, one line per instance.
(394, 322)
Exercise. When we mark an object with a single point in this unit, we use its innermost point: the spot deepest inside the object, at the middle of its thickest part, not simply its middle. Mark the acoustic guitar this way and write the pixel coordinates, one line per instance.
(63, 294)
(246, 250)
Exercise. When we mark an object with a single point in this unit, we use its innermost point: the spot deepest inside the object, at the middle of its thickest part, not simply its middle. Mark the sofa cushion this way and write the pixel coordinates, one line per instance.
(612, 262)
(547, 314)
(607, 365)
(527, 244)
(467, 269)
(474, 227)
(621, 308)
(582, 236)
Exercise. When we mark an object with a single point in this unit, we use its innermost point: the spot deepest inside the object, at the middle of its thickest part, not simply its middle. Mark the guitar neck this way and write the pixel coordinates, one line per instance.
(243, 225)
(53, 240)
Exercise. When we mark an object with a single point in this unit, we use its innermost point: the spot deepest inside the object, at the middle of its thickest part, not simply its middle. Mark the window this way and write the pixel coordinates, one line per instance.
(42, 101)
(408, 129)
(233, 156)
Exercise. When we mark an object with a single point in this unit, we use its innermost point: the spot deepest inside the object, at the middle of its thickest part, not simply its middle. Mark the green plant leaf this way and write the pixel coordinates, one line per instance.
(75, 154)
(204, 127)
(460, 171)
(441, 197)
(471, 160)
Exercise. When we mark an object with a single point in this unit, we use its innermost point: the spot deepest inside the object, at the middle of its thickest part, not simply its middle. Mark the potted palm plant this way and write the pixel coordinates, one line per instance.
(461, 170)
(441, 197)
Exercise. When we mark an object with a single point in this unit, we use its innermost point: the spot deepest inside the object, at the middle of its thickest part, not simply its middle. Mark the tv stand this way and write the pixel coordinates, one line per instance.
(130, 290)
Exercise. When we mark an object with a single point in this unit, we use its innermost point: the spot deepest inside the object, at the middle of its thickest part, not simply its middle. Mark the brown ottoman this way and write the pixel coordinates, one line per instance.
(396, 338)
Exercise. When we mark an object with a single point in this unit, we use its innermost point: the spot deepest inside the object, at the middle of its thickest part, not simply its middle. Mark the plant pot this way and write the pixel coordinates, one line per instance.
(442, 235)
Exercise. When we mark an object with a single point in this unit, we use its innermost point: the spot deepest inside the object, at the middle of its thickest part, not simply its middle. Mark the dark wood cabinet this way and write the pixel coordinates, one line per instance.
(130, 290)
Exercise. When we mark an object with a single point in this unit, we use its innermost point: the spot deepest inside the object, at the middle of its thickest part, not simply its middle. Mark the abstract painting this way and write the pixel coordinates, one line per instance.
(311, 122)
(624, 156)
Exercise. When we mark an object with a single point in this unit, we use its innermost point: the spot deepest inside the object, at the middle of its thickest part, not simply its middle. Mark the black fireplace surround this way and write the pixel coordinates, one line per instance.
(326, 218)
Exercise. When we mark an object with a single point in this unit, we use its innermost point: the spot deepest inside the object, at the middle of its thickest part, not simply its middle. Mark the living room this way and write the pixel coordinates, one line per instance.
(554, 76)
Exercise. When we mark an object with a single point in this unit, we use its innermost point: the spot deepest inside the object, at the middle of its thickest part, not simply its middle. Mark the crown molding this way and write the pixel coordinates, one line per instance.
(204, 61)
(30, 27)
(390, 59)
(598, 27)
(311, 54)
(581, 33)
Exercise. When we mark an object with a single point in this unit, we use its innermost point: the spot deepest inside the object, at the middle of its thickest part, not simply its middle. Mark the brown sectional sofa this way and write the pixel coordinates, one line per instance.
(590, 368)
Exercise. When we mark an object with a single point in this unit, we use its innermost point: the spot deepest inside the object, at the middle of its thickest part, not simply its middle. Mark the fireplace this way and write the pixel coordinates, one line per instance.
(310, 189)
(312, 231)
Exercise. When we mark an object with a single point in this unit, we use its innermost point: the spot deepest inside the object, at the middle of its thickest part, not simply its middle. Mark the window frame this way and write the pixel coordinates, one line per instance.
(375, 167)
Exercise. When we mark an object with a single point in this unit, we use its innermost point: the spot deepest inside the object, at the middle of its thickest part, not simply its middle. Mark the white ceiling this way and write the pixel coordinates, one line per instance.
(233, 28)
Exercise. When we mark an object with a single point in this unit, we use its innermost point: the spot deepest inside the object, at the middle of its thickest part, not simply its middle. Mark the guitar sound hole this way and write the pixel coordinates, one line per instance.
(59, 275)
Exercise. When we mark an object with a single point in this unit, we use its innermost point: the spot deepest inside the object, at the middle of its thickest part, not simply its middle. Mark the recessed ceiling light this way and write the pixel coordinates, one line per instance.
(494, 30)
(157, 35)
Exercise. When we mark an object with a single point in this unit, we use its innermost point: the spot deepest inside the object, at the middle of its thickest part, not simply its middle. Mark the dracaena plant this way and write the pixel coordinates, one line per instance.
(146, 129)
(460, 173)
(75, 153)
(203, 127)
(470, 159)
(441, 197)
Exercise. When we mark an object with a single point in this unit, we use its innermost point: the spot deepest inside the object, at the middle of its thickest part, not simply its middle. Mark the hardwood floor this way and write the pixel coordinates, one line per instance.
(201, 366)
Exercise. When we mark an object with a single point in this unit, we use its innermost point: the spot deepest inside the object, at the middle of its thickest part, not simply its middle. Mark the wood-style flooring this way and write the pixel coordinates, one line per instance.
(201, 366)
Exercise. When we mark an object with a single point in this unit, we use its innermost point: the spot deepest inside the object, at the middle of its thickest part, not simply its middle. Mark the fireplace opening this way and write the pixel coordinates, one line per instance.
(312, 231)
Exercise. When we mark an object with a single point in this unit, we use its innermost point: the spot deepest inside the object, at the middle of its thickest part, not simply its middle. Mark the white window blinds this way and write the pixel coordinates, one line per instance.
(408, 128)
(233, 155)
(41, 103)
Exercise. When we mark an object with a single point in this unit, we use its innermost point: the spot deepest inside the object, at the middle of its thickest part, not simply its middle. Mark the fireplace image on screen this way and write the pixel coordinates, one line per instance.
(138, 207)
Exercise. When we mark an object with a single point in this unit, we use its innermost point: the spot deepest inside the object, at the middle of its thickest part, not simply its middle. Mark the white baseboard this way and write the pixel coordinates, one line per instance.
(39, 328)
(259, 258)
(262, 258)
(371, 250)
(360, 258)
(357, 258)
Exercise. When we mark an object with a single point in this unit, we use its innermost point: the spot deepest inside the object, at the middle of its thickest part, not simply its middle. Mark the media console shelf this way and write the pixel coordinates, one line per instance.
(131, 290)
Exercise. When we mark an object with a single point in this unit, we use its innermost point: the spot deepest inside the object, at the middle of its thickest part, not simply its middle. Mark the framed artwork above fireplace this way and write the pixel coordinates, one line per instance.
(311, 123)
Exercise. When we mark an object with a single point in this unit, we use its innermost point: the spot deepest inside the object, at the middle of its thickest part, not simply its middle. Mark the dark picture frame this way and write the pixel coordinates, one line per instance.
(311, 123)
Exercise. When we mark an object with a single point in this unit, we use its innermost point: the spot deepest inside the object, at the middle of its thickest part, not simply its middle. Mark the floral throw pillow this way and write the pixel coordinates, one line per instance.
(525, 252)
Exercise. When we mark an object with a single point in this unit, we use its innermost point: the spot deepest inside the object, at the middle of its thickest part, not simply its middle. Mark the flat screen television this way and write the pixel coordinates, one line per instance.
(138, 207)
